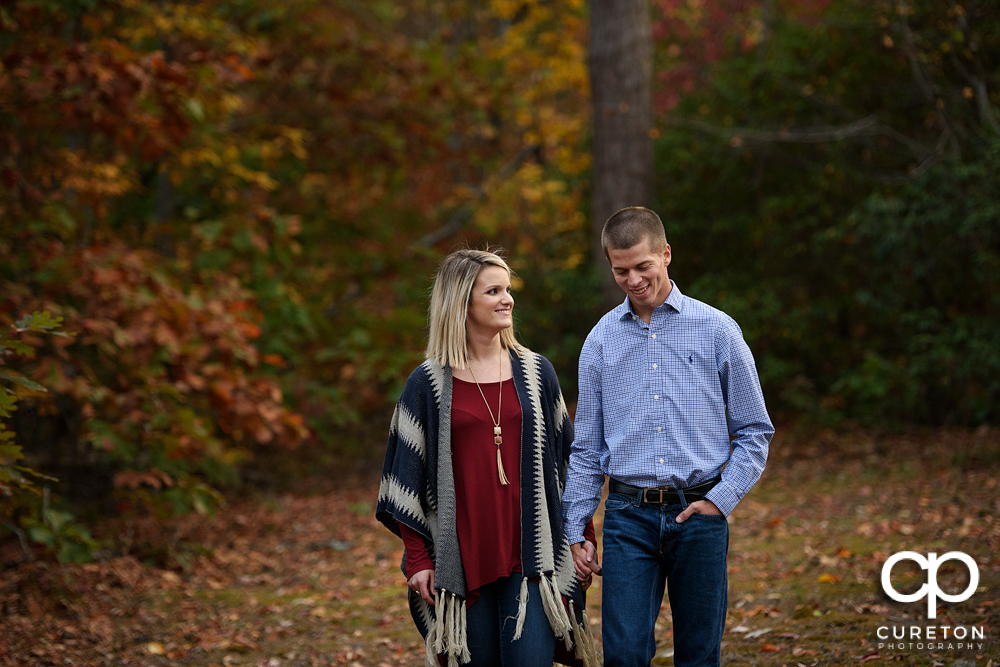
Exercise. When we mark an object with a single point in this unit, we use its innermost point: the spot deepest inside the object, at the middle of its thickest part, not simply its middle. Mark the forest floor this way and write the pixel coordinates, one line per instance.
(311, 578)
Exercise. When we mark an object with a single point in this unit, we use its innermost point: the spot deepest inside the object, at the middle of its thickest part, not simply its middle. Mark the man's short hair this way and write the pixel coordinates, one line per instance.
(630, 226)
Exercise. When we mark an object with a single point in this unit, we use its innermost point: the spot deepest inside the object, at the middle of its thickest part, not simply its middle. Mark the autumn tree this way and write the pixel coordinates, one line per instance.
(238, 207)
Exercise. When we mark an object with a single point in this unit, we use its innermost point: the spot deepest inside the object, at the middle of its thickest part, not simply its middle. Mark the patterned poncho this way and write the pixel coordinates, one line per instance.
(418, 490)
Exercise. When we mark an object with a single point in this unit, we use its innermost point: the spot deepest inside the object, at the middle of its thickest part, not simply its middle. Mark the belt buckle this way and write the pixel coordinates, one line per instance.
(659, 492)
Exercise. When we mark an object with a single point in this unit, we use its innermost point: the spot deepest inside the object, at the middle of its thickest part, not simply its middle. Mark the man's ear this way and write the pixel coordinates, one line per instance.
(666, 255)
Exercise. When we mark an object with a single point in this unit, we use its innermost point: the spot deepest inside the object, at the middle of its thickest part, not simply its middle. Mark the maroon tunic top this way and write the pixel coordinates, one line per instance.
(488, 514)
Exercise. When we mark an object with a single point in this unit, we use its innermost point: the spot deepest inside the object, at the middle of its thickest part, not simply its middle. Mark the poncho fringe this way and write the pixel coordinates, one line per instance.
(448, 637)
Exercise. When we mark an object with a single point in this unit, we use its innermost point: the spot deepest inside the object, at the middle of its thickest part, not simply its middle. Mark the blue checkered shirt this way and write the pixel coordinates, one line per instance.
(654, 403)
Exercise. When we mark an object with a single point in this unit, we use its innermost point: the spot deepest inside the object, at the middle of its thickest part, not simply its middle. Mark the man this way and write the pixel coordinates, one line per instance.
(671, 409)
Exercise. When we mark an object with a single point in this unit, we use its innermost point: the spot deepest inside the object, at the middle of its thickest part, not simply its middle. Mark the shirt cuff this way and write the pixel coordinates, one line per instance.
(724, 497)
(575, 537)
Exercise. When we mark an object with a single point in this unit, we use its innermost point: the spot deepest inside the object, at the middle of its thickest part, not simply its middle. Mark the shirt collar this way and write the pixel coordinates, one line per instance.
(674, 300)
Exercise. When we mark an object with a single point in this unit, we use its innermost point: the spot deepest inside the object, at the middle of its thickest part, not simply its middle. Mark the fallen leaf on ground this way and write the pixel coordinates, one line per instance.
(758, 633)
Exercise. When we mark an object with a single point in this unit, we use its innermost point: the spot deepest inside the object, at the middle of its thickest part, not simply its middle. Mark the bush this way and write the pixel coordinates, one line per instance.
(162, 386)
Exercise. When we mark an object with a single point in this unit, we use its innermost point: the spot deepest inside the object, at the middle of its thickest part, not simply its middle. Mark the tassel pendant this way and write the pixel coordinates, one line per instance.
(503, 475)
(498, 439)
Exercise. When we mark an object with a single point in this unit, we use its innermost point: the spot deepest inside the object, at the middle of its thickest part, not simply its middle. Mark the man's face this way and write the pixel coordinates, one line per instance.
(642, 274)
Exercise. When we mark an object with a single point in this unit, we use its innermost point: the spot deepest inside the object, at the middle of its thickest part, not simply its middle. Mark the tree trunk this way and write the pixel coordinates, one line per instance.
(620, 61)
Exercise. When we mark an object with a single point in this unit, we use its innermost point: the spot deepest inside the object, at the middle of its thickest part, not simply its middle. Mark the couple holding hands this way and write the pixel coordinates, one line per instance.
(492, 488)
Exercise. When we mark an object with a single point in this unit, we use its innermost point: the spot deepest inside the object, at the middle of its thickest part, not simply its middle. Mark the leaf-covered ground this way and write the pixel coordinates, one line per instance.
(311, 579)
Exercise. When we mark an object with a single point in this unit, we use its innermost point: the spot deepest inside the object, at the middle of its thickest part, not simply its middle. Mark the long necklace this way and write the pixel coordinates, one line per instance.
(497, 436)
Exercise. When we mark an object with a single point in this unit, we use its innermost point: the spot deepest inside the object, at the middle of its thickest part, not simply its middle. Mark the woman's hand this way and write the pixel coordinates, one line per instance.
(423, 583)
(585, 560)
(585, 563)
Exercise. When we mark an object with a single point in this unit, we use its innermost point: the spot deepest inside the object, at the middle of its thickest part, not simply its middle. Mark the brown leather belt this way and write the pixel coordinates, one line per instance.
(664, 495)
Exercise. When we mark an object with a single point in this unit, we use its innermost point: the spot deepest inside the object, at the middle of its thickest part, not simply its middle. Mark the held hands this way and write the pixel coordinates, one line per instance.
(585, 563)
(423, 583)
(698, 507)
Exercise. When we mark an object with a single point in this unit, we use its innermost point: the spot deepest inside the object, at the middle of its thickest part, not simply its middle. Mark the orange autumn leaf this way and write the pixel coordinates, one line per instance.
(273, 359)
(132, 479)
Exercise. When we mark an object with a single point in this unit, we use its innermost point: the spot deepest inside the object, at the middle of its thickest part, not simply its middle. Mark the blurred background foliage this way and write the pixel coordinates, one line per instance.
(236, 208)
(828, 171)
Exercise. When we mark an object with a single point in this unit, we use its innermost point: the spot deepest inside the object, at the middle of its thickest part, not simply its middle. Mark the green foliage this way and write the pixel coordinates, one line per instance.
(57, 530)
(815, 190)
(15, 479)
(555, 310)
(192, 495)
(70, 541)
(931, 299)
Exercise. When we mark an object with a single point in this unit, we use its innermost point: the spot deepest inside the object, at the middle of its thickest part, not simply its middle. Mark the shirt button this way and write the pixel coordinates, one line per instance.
(661, 460)
(654, 365)
(656, 397)
(659, 428)
(654, 336)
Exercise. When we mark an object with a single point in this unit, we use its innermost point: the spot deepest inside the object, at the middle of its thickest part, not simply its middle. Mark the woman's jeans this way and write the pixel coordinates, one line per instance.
(644, 547)
(490, 624)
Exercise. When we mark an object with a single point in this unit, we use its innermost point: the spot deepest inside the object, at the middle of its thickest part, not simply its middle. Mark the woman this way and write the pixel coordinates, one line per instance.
(473, 479)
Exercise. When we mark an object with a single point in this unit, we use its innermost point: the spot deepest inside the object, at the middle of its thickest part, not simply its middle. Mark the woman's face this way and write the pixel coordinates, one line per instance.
(491, 306)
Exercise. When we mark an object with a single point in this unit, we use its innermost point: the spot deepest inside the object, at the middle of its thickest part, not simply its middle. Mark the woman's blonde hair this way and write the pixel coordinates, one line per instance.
(450, 298)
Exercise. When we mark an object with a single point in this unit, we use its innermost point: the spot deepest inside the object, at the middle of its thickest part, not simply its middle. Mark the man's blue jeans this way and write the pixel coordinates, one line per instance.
(490, 624)
(644, 547)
